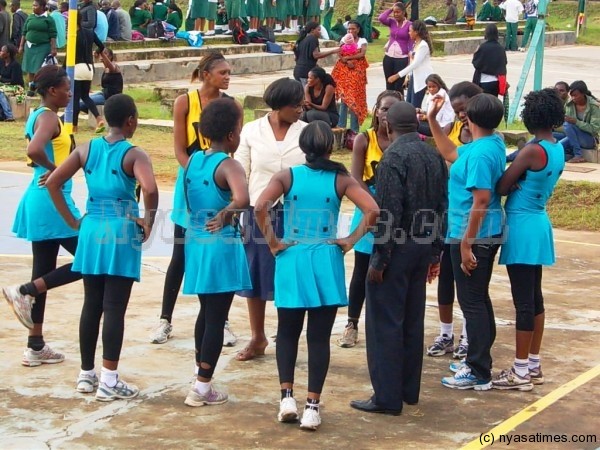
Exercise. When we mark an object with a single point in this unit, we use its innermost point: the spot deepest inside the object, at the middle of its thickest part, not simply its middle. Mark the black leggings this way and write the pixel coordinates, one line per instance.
(356, 293)
(445, 293)
(318, 334)
(44, 266)
(526, 288)
(174, 275)
(490, 87)
(108, 295)
(81, 91)
(208, 333)
(392, 66)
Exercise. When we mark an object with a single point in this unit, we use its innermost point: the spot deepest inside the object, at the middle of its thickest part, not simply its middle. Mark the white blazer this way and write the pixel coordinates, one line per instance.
(262, 156)
(420, 66)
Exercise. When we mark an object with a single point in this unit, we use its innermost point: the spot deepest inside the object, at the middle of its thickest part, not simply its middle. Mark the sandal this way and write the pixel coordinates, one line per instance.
(248, 353)
(100, 128)
(576, 160)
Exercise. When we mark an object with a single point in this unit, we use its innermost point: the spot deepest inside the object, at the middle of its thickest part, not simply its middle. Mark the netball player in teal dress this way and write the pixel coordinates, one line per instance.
(216, 190)
(529, 183)
(110, 239)
(309, 270)
(38, 221)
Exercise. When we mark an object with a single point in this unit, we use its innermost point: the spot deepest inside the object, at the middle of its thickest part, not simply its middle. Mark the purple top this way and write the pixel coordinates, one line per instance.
(398, 33)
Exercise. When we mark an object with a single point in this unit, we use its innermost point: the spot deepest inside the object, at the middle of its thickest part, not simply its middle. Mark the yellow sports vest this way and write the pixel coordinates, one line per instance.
(455, 131)
(372, 157)
(195, 141)
(59, 148)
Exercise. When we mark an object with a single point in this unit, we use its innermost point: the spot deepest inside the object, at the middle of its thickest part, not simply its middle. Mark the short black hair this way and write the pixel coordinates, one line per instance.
(219, 119)
(118, 108)
(543, 110)
(464, 89)
(283, 92)
(485, 111)
(491, 32)
(48, 77)
(3, 3)
(563, 84)
(402, 117)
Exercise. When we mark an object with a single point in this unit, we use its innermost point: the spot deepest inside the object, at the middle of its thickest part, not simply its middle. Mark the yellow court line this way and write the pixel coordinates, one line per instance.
(487, 438)
(576, 242)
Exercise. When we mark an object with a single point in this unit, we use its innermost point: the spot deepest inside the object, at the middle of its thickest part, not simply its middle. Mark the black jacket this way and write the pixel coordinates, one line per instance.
(489, 58)
(18, 21)
(88, 16)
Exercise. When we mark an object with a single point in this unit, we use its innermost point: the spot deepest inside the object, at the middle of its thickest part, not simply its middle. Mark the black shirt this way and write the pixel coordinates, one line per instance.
(304, 56)
(112, 84)
(11, 74)
(84, 46)
(412, 193)
(18, 22)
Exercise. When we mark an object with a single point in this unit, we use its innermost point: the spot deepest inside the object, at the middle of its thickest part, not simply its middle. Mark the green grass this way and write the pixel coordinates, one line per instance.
(575, 205)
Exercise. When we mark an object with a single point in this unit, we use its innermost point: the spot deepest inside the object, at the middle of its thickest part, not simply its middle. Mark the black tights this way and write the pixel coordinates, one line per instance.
(174, 274)
(81, 91)
(445, 292)
(318, 334)
(526, 288)
(108, 295)
(356, 295)
(44, 266)
(208, 333)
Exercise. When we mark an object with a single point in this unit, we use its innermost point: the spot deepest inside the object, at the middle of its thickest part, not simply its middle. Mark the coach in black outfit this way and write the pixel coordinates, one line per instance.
(412, 194)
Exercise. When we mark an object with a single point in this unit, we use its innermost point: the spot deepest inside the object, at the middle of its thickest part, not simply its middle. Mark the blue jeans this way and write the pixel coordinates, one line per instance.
(97, 98)
(5, 106)
(344, 111)
(576, 139)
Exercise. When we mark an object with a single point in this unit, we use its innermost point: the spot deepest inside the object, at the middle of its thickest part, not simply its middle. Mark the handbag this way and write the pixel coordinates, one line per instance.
(50, 60)
(83, 72)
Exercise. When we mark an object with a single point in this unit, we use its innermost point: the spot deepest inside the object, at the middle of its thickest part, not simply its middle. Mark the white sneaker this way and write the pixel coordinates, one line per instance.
(210, 33)
(288, 31)
(311, 419)
(229, 339)
(350, 337)
(32, 358)
(163, 332)
(87, 384)
(20, 304)
(288, 410)
(121, 390)
(212, 397)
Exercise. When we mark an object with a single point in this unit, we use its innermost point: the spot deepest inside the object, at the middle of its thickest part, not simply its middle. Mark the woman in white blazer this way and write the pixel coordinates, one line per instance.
(267, 146)
(420, 66)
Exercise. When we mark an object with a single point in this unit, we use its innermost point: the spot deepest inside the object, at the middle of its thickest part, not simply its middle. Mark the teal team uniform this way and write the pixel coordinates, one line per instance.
(310, 274)
(222, 253)
(37, 219)
(479, 165)
(109, 239)
(529, 237)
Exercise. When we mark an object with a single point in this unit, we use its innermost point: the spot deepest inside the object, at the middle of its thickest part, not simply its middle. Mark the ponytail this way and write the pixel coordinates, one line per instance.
(316, 141)
(319, 162)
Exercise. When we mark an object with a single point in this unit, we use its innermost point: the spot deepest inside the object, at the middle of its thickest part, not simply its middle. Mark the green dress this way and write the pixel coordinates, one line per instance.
(159, 11)
(269, 11)
(174, 19)
(314, 8)
(236, 9)
(139, 17)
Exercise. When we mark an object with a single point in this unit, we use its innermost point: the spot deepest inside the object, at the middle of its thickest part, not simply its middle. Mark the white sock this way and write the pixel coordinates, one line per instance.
(446, 329)
(109, 377)
(520, 367)
(534, 361)
(202, 387)
(195, 370)
(88, 373)
(294, 24)
(464, 330)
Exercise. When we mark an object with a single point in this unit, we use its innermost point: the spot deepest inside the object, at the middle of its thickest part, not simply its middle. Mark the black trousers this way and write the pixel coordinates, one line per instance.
(106, 295)
(445, 292)
(392, 66)
(81, 91)
(474, 299)
(395, 326)
(318, 334)
(44, 266)
(356, 292)
(174, 275)
(490, 87)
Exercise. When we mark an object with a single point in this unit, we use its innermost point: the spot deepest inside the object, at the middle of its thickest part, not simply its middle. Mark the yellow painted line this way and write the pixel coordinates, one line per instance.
(488, 438)
(576, 242)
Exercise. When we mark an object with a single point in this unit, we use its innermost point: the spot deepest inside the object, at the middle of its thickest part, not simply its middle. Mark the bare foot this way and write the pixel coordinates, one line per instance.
(251, 351)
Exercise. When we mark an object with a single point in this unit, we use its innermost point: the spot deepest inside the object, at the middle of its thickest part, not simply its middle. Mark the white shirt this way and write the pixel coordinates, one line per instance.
(513, 9)
(262, 156)
(420, 66)
(446, 114)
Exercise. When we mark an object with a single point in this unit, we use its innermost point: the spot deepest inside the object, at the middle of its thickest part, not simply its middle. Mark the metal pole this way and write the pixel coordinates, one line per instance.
(70, 60)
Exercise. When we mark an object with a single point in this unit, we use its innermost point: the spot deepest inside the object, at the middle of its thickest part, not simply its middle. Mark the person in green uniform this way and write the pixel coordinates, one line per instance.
(159, 11)
(313, 11)
(253, 9)
(174, 16)
(140, 16)
(38, 40)
(490, 11)
(236, 13)
(270, 12)
(366, 21)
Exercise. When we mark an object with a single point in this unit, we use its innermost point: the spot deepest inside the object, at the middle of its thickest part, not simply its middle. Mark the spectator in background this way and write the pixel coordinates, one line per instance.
(111, 81)
(101, 28)
(64, 11)
(18, 22)
(159, 11)
(88, 15)
(140, 16)
(319, 96)
(531, 12)
(512, 10)
(11, 74)
(59, 21)
(470, 9)
(174, 16)
(124, 21)
(307, 51)
(435, 87)
(114, 31)
(347, 19)
(582, 121)
(490, 11)
(4, 24)
(451, 13)
(398, 46)
(490, 62)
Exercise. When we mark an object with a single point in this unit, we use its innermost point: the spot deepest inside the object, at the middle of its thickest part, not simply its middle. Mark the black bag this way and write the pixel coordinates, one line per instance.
(256, 38)
(239, 36)
(156, 29)
(267, 33)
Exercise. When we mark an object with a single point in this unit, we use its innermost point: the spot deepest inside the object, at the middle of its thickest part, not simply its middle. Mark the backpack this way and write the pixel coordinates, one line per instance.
(239, 36)
(267, 33)
(256, 38)
(156, 29)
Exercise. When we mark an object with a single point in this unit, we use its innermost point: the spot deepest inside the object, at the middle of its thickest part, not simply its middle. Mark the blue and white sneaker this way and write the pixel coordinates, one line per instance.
(455, 366)
(461, 350)
(464, 379)
(121, 390)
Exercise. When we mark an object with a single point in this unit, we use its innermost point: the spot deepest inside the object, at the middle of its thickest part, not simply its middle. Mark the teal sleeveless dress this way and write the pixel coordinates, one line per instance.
(365, 243)
(214, 262)
(529, 237)
(109, 239)
(311, 273)
(37, 219)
